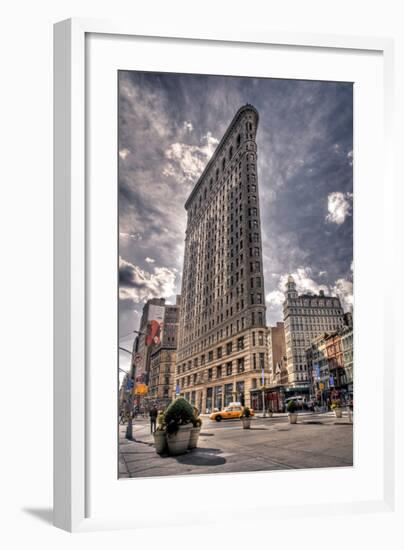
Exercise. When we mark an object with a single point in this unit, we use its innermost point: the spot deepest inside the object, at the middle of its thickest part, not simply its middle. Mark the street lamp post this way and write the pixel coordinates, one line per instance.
(263, 391)
(129, 427)
(263, 402)
(235, 388)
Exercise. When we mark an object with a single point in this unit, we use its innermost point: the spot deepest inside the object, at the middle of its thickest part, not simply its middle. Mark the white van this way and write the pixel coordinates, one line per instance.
(298, 399)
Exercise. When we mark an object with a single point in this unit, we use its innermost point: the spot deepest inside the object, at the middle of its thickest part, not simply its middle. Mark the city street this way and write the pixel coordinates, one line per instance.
(316, 441)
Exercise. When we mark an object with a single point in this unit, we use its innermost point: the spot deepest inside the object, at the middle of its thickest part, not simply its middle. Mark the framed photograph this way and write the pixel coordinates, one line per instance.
(219, 204)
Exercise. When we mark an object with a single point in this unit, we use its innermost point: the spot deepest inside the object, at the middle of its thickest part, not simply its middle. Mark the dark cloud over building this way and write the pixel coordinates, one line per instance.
(170, 125)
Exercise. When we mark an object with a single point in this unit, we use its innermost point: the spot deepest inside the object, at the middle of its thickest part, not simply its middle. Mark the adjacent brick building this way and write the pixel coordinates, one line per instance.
(277, 355)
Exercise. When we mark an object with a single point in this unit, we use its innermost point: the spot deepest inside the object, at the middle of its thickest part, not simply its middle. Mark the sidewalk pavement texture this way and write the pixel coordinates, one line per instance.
(316, 441)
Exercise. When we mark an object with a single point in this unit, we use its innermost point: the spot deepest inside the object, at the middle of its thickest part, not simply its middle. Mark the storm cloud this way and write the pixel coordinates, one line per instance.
(169, 127)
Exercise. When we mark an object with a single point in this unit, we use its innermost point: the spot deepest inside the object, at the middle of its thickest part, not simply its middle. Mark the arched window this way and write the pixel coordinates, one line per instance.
(230, 153)
(223, 163)
(238, 140)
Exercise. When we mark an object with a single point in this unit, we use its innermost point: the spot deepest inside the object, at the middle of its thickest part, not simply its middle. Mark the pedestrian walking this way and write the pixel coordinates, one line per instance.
(153, 419)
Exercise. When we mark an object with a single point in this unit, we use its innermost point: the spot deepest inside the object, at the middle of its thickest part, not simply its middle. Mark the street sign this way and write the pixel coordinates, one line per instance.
(129, 384)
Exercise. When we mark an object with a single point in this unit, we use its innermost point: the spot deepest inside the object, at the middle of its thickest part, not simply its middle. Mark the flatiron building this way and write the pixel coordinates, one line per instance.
(222, 353)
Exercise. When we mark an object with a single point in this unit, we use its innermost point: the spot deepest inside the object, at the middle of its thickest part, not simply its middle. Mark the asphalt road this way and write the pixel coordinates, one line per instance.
(303, 417)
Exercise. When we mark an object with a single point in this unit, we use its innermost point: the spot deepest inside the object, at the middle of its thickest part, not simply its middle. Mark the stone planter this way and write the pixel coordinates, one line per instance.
(338, 412)
(160, 441)
(193, 440)
(246, 423)
(292, 418)
(178, 443)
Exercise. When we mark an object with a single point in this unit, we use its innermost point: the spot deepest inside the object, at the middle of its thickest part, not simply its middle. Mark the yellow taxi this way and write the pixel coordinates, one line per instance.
(233, 410)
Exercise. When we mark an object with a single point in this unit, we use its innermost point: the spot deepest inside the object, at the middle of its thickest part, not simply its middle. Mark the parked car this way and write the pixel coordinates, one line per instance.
(233, 410)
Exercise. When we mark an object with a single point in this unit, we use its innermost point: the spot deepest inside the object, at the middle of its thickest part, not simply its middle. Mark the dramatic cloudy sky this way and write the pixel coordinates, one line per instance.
(169, 126)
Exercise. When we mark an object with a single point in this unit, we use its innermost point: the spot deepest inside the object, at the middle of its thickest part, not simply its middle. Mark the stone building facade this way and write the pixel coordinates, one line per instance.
(163, 358)
(123, 396)
(347, 350)
(335, 359)
(330, 364)
(222, 335)
(306, 316)
(317, 366)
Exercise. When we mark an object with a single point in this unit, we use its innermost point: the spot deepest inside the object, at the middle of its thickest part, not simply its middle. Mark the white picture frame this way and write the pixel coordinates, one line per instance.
(73, 419)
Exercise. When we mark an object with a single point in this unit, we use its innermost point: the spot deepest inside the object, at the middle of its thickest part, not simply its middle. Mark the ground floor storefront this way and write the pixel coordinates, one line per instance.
(344, 395)
(274, 398)
(267, 400)
(215, 396)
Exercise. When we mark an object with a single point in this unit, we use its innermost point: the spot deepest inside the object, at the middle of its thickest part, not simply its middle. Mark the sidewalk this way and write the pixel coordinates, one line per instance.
(316, 441)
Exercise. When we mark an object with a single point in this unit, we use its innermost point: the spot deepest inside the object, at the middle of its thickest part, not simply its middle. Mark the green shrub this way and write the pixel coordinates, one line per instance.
(291, 406)
(178, 413)
(246, 413)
